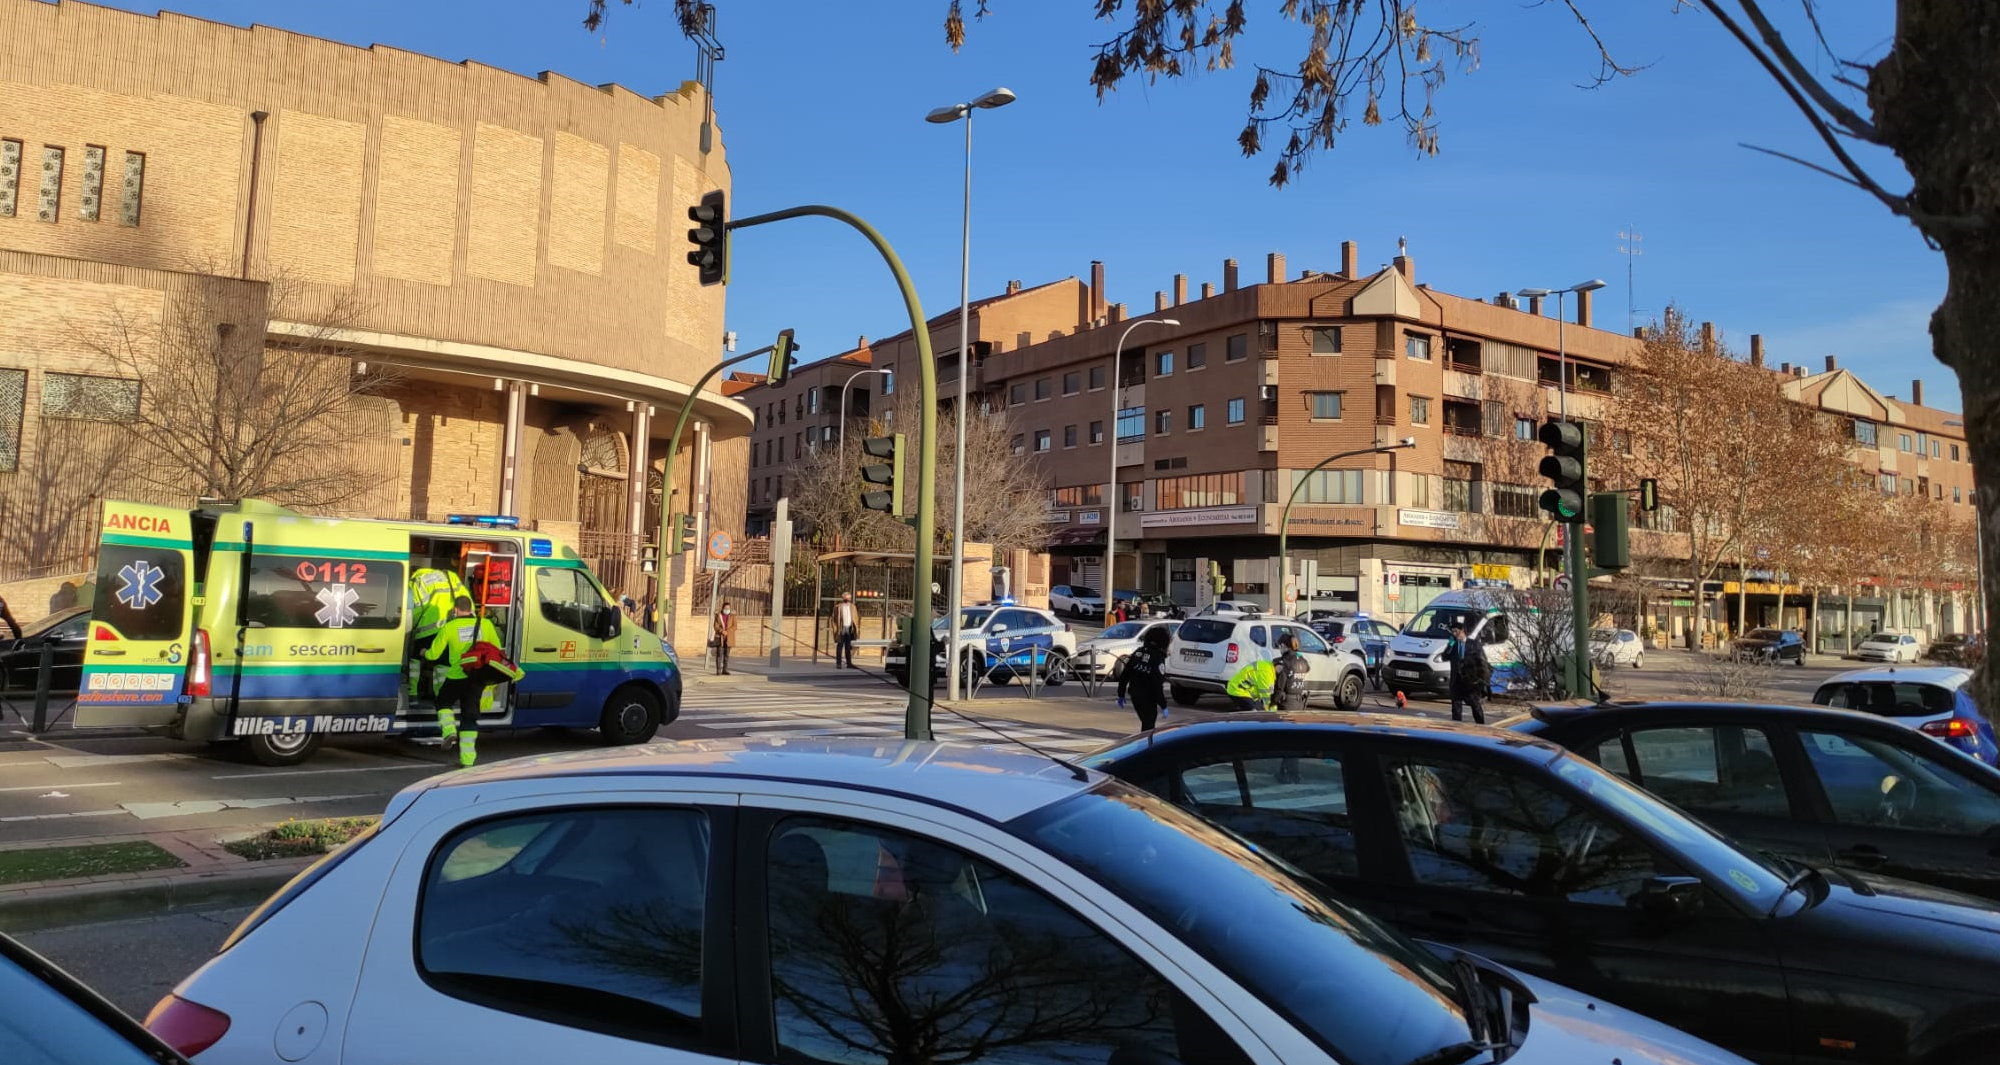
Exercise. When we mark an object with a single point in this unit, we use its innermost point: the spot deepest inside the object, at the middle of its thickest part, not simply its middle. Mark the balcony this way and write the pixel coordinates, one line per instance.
(1464, 447)
(1267, 435)
(1461, 383)
(1385, 372)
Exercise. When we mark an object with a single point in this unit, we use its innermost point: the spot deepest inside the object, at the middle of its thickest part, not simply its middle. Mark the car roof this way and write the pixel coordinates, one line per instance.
(1952, 677)
(1393, 725)
(1561, 713)
(996, 781)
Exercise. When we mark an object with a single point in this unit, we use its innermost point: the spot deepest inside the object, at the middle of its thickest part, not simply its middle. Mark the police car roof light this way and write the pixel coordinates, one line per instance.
(491, 521)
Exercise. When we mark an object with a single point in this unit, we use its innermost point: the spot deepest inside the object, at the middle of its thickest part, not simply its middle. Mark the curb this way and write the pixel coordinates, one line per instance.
(35, 908)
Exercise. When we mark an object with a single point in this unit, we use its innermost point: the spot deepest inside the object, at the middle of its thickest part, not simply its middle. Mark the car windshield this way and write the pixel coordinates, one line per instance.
(1603, 635)
(967, 619)
(1883, 638)
(1362, 991)
(1751, 877)
(1124, 630)
(1078, 591)
(1763, 634)
(1437, 620)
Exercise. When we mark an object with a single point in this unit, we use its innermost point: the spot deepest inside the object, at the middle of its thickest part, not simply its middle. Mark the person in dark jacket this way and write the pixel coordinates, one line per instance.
(1471, 674)
(1144, 677)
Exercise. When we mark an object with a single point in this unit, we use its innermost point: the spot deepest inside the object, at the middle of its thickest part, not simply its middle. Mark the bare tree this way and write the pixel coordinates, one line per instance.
(48, 517)
(1006, 495)
(226, 412)
(1541, 630)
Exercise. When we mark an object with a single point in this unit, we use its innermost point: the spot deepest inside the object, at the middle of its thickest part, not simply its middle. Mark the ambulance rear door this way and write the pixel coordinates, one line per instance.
(141, 620)
(322, 621)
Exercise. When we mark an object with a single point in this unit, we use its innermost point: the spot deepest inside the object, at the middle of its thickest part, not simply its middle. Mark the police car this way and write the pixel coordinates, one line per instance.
(999, 641)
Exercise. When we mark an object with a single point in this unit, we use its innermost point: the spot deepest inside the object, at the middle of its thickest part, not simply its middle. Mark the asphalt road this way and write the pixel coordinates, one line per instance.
(135, 963)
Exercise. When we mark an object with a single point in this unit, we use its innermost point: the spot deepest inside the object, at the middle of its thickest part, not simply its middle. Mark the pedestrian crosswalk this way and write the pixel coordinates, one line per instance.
(785, 710)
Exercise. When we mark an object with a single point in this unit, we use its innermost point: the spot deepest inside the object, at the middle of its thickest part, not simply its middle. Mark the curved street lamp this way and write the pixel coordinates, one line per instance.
(1285, 519)
(1111, 500)
(883, 370)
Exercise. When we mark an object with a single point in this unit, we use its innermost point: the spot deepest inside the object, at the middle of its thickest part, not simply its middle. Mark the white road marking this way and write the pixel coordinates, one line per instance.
(86, 761)
(426, 766)
(38, 787)
(150, 811)
(57, 817)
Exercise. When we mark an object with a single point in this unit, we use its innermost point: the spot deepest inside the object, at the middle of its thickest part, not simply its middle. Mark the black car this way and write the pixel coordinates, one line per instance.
(1957, 649)
(1769, 645)
(1826, 787)
(21, 659)
(1512, 848)
(51, 1019)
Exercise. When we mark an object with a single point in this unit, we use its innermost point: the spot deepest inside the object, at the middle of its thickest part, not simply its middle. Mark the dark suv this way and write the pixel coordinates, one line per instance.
(1769, 645)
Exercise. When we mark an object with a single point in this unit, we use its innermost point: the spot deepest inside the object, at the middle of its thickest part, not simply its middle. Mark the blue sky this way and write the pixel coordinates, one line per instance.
(824, 102)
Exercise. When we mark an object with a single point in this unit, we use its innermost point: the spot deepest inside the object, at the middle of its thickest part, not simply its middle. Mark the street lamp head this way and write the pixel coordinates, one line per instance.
(1408, 441)
(1168, 321)
(1533, 293)
(1591, 285)
(944, 115)
(999, 97)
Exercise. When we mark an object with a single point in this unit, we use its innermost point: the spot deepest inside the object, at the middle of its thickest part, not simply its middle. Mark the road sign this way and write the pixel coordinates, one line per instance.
(719, 545)
(1562, 582)
(717, 565)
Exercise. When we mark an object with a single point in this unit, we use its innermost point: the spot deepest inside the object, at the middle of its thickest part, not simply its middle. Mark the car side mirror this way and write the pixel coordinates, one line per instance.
(997, 629)
(607, 622)
(1669, 898)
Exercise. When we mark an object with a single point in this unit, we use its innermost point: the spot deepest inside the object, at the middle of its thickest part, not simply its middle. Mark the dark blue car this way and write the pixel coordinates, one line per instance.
(1769, 645)
(1348, 630)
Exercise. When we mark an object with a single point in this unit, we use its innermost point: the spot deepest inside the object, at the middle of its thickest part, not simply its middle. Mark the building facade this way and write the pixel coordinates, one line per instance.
(507, 249)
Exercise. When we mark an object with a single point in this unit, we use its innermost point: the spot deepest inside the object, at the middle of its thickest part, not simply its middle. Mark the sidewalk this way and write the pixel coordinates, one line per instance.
(209, 877)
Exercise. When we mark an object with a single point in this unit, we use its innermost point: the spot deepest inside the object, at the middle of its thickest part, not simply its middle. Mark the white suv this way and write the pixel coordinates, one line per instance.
(1207, 651)
(1076, 601)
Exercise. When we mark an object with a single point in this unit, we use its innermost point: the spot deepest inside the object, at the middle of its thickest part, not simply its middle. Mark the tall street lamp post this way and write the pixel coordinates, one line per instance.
(1111, 500)
(884, 371)
(1285, 518)
(1573, 563)
(998, 97)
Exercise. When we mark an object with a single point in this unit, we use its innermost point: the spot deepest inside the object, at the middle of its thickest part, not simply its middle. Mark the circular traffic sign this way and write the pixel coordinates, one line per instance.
(1562, 582)
(719, 544)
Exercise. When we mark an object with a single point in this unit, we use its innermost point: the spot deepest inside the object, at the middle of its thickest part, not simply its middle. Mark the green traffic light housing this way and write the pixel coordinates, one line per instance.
(683, 526)
(783, 357)
(888, 473)
(710, 237)
(1564, 467)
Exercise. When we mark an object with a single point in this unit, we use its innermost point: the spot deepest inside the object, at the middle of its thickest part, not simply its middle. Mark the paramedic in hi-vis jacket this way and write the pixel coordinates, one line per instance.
(467, 648)
(432, 593)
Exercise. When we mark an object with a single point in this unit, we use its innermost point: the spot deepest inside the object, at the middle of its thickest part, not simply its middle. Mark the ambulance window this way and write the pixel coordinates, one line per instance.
(141, 592)
(567, 597)
(324, 592)
(1495, 630)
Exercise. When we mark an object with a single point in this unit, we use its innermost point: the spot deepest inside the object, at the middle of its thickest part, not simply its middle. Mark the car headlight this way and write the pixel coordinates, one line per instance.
(668, 649)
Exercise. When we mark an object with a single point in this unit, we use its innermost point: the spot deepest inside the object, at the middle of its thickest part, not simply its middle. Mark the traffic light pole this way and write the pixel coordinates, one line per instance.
(917, 712)
(1579, 605)
(667, 481)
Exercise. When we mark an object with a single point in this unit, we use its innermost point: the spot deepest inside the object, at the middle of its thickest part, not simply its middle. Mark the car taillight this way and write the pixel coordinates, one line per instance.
(1951, 728)
(1230, 655)
(200, 678)
(188, 1027)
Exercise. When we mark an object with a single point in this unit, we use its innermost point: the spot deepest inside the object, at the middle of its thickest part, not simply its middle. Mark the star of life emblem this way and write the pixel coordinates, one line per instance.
(336, 606)
(141, 587)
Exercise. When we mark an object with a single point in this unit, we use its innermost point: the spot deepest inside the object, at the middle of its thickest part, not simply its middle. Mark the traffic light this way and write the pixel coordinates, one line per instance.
(649, 558)
(1610, 530)
(888, 472)
(782, 358)
(1649, 494)
(683, 533)
(710, 237)
(1215, 578)
(1563, 466)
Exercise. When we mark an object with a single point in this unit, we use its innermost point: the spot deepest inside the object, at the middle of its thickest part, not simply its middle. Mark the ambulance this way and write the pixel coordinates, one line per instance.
(248, 623)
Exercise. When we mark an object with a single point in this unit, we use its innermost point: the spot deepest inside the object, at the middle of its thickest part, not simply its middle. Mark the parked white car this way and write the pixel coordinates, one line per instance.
(715, 901)
(1617, 647)
(1888, 647)
(1229, 607)
(1103, 655)
(1076, 600)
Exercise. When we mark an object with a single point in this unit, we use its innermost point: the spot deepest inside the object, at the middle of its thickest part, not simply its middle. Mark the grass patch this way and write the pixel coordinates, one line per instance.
(93, 859)
(298, 839)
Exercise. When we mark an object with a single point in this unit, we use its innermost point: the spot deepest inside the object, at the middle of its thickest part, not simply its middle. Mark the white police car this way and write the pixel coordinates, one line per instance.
(999, 641)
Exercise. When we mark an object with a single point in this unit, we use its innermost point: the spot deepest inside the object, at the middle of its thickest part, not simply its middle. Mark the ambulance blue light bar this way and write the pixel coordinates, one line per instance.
(490, 521)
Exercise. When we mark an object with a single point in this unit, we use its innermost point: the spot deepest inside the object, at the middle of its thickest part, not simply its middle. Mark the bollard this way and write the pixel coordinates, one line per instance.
(47, 667)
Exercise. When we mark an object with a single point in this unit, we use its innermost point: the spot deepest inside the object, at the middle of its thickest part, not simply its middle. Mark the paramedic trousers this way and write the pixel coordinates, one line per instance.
(458, 715)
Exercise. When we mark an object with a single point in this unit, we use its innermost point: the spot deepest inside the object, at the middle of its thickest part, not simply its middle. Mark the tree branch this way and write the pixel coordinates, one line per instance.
(1775, 41)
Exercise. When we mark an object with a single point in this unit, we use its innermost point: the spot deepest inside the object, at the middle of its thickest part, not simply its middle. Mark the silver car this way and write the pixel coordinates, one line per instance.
(721, 901)
(1103, 655)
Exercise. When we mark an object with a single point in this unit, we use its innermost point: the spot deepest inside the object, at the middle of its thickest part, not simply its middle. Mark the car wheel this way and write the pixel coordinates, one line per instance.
(631, 715)
(1639, 661)
(1347, 694)
(1184, 696)
(282, 750)
(901, 678)
(1056, 671)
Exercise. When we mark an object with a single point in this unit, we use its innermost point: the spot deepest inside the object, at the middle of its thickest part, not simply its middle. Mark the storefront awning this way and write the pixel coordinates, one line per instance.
(1077, 538)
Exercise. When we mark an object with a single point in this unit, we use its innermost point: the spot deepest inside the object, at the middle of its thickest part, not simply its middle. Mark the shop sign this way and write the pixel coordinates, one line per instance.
(1090, 517)
(1172, 519)
(1427, 519)
(1490, 571)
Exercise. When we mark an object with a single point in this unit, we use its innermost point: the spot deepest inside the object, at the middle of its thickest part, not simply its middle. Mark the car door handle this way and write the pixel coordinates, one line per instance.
(550, 649)
(1862, 856)
(107, 654)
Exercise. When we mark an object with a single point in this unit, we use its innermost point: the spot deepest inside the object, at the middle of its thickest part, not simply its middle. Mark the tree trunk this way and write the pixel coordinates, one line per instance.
(1932, 104)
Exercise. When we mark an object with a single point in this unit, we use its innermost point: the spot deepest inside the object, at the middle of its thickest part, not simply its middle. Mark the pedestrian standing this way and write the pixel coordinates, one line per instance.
(1289, 682)
(1471, 674)
(724, 637)
(1144, 678)
(846, 628)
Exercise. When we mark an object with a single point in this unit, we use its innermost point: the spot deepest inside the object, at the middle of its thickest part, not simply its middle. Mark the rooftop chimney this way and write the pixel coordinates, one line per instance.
(1831, 364)
(1207, 289)
(1404, 266)
(1350, 259)
(1159, 299)
(1917, 392)
(1228, 275)
(1757, 350)
(1013, 287)
(1798, 371)
(1096, 290)
(861, 342)
(1274, 268)
(1180, 289)
(1785, 368)
(1117, 312)
(1708, 337)
(1583, 308)
(1535, 306)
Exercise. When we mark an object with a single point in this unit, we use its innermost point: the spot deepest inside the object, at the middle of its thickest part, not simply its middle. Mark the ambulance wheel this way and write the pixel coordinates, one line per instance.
(282, 750)
(631, 715)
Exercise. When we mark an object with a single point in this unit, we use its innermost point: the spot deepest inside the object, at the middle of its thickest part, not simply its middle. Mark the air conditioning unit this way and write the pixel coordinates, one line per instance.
(1269, 393)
